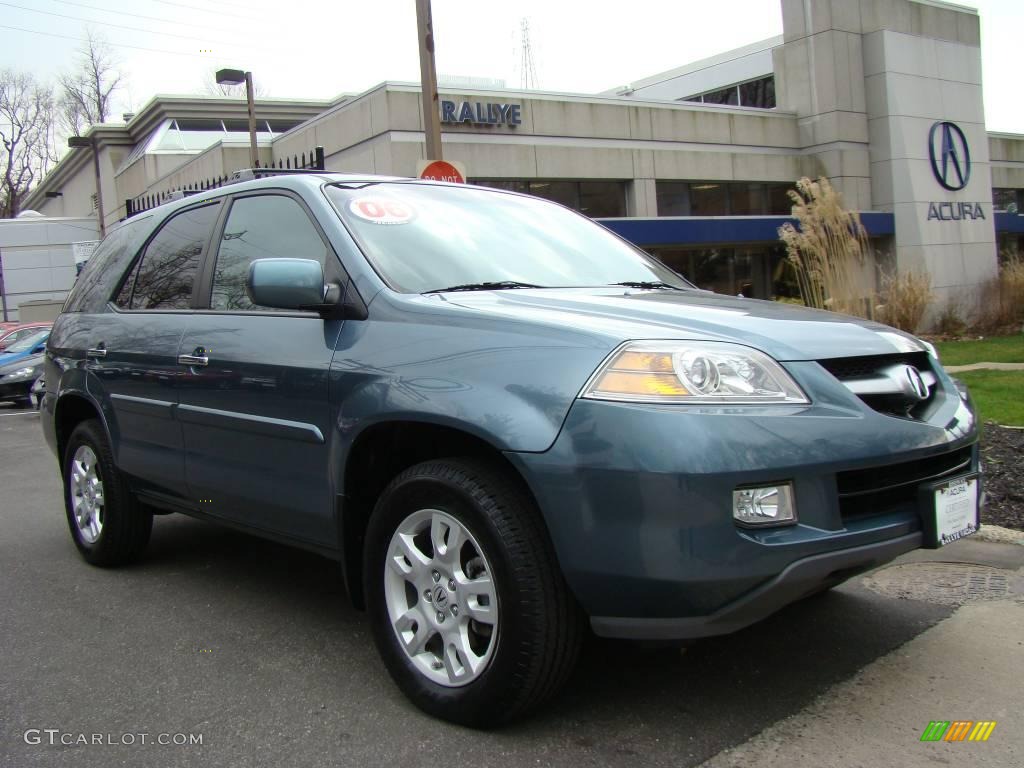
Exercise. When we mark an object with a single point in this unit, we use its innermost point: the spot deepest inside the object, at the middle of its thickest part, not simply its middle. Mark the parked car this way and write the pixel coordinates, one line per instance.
(17, 378)
(507, 424)
(18, 331)
(30, 345)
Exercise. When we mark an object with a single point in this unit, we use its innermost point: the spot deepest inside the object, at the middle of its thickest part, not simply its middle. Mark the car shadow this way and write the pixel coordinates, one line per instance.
(624, 700)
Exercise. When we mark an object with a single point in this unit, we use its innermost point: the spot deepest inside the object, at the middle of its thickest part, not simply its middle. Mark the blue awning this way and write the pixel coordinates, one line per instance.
(1005, 222)
(697, 230)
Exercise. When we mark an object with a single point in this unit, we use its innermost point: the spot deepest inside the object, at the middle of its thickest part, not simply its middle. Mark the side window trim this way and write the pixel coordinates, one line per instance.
(132, 272)
(334, 271)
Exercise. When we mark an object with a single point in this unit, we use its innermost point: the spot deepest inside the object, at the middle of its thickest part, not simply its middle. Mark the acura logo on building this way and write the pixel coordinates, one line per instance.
(949, 154)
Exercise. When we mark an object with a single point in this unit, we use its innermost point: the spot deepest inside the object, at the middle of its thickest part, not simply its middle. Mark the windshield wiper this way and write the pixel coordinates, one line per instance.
(497, 285)
(643, 284)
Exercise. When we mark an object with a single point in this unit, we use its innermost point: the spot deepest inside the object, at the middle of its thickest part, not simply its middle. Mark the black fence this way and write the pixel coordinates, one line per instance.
(314, 161)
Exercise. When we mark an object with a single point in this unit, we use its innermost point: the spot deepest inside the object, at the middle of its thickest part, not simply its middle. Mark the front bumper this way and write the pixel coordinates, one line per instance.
(15, 390)
(637, 499)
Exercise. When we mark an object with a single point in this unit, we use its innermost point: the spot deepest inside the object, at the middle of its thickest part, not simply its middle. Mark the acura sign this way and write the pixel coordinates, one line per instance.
(950, 158)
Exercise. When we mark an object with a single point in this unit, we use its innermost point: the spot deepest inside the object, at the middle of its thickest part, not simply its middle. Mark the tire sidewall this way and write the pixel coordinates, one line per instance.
(480, 700)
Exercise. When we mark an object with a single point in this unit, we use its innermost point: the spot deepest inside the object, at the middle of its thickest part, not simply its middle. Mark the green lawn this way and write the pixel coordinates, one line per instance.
(999, 395)
(998, 349)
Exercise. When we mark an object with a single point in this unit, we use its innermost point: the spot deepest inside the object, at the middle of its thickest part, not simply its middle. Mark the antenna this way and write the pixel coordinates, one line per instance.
(528, 73)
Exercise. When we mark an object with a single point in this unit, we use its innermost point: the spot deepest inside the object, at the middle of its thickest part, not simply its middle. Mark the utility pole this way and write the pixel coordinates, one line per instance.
(428, 80)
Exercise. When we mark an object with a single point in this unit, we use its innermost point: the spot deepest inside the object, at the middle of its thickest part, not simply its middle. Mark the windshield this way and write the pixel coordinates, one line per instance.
(423, 238)
(27, 343)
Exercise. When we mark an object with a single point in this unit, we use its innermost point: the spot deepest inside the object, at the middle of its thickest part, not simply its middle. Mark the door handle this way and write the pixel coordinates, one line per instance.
(100, 351)
(198, 357)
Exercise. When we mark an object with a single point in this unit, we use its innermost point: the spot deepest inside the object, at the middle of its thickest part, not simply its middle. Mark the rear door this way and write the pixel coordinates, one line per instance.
(132, 350)
(253, 406)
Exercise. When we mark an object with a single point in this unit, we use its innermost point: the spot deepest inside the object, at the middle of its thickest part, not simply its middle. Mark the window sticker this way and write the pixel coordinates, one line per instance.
(381, 210)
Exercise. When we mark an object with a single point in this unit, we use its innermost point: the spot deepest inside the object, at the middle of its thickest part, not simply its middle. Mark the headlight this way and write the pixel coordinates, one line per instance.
(692, 372)
(20, 375)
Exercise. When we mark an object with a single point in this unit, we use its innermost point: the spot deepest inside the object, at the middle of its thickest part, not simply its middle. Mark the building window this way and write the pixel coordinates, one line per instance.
(759, 271)
(759, 93)
(596, 199)
(1009, 200)
(728, 95)
(723, 198)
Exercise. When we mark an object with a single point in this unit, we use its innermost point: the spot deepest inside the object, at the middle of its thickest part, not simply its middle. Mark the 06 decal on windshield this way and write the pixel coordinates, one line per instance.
(381, 210)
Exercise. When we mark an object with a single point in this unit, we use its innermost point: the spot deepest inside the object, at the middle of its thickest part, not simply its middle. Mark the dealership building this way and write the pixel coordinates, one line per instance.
(884, 97)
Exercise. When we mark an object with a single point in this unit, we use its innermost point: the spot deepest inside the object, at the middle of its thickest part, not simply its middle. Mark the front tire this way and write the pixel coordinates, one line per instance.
(467, 605)
(108, 524)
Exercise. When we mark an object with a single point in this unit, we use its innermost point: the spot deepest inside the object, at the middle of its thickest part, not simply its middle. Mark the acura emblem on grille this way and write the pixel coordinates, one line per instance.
(917, 385)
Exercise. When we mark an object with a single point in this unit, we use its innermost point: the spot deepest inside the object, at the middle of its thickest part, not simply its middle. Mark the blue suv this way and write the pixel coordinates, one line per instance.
(505, 422)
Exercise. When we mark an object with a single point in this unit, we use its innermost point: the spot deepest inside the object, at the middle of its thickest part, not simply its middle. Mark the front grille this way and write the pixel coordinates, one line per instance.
(873, 491)
(844, 368)
(859, 373)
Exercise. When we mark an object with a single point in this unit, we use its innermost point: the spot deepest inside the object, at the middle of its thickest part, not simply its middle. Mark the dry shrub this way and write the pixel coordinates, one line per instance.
(1003, 298)
(828, 250)
(907, 296)
(951, 323)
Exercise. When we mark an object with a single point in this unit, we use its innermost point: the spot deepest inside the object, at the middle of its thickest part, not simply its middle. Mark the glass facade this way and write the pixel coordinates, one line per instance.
(596, 199)
(723, 198)
(756, 271)
(759, 93)
(1009, 200)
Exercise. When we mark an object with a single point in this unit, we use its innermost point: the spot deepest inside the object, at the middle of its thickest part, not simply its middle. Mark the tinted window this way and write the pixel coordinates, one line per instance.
(164, 277)
(264, 227)
(106, 266)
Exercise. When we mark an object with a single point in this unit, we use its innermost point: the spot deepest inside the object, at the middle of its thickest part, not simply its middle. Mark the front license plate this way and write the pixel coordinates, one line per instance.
(955, 510)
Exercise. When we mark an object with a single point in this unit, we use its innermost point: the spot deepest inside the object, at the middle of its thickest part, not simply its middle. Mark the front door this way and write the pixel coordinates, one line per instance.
(253, 405)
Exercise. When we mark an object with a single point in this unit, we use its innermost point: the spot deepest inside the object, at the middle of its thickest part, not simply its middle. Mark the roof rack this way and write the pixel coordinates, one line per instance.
(248, 174)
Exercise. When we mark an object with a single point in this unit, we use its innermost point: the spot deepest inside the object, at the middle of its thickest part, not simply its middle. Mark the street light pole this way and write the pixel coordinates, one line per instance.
(237, 77)
(254, 157)
(428, 80)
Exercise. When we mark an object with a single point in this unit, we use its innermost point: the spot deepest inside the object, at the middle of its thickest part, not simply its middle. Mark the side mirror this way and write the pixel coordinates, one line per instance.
(286, 283)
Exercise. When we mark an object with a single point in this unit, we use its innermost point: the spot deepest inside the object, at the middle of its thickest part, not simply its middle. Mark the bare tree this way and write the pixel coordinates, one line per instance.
(212, 88)
(26, 131)
(87, 91)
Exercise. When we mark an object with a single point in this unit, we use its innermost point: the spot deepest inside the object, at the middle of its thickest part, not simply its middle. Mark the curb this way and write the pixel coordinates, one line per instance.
(999, 535)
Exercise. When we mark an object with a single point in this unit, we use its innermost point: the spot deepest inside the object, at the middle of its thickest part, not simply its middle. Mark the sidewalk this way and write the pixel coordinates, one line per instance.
(984, 367)
(967, 667)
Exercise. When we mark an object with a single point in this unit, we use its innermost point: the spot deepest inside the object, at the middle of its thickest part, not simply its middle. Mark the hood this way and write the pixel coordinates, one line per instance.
(784, 331)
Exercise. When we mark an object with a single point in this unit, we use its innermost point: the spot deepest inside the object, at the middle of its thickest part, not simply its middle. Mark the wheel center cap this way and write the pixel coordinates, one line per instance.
(440, 596)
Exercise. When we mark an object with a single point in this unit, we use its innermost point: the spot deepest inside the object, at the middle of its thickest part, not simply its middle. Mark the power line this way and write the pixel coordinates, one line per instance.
(119, 26)
(204, 10)
(115, 45)
(161, 19)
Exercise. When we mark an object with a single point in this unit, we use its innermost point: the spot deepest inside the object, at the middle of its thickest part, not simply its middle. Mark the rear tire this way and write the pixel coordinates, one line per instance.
(479, 633)
(108, 524)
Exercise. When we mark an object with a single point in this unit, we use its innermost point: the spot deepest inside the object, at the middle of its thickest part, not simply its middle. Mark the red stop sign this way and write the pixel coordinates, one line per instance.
(439, 170)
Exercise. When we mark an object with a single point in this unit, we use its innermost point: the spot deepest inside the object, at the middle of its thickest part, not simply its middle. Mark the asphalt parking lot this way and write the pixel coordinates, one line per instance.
(253, 646)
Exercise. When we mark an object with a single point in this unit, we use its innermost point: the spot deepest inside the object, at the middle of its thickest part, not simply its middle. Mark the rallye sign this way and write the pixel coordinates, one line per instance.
(481, 113)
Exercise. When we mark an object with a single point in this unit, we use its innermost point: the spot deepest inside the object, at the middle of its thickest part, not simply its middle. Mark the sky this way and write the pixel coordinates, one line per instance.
(318, 50)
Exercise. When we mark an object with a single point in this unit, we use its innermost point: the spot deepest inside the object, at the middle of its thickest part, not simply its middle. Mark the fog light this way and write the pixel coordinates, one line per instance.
(770, 505)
